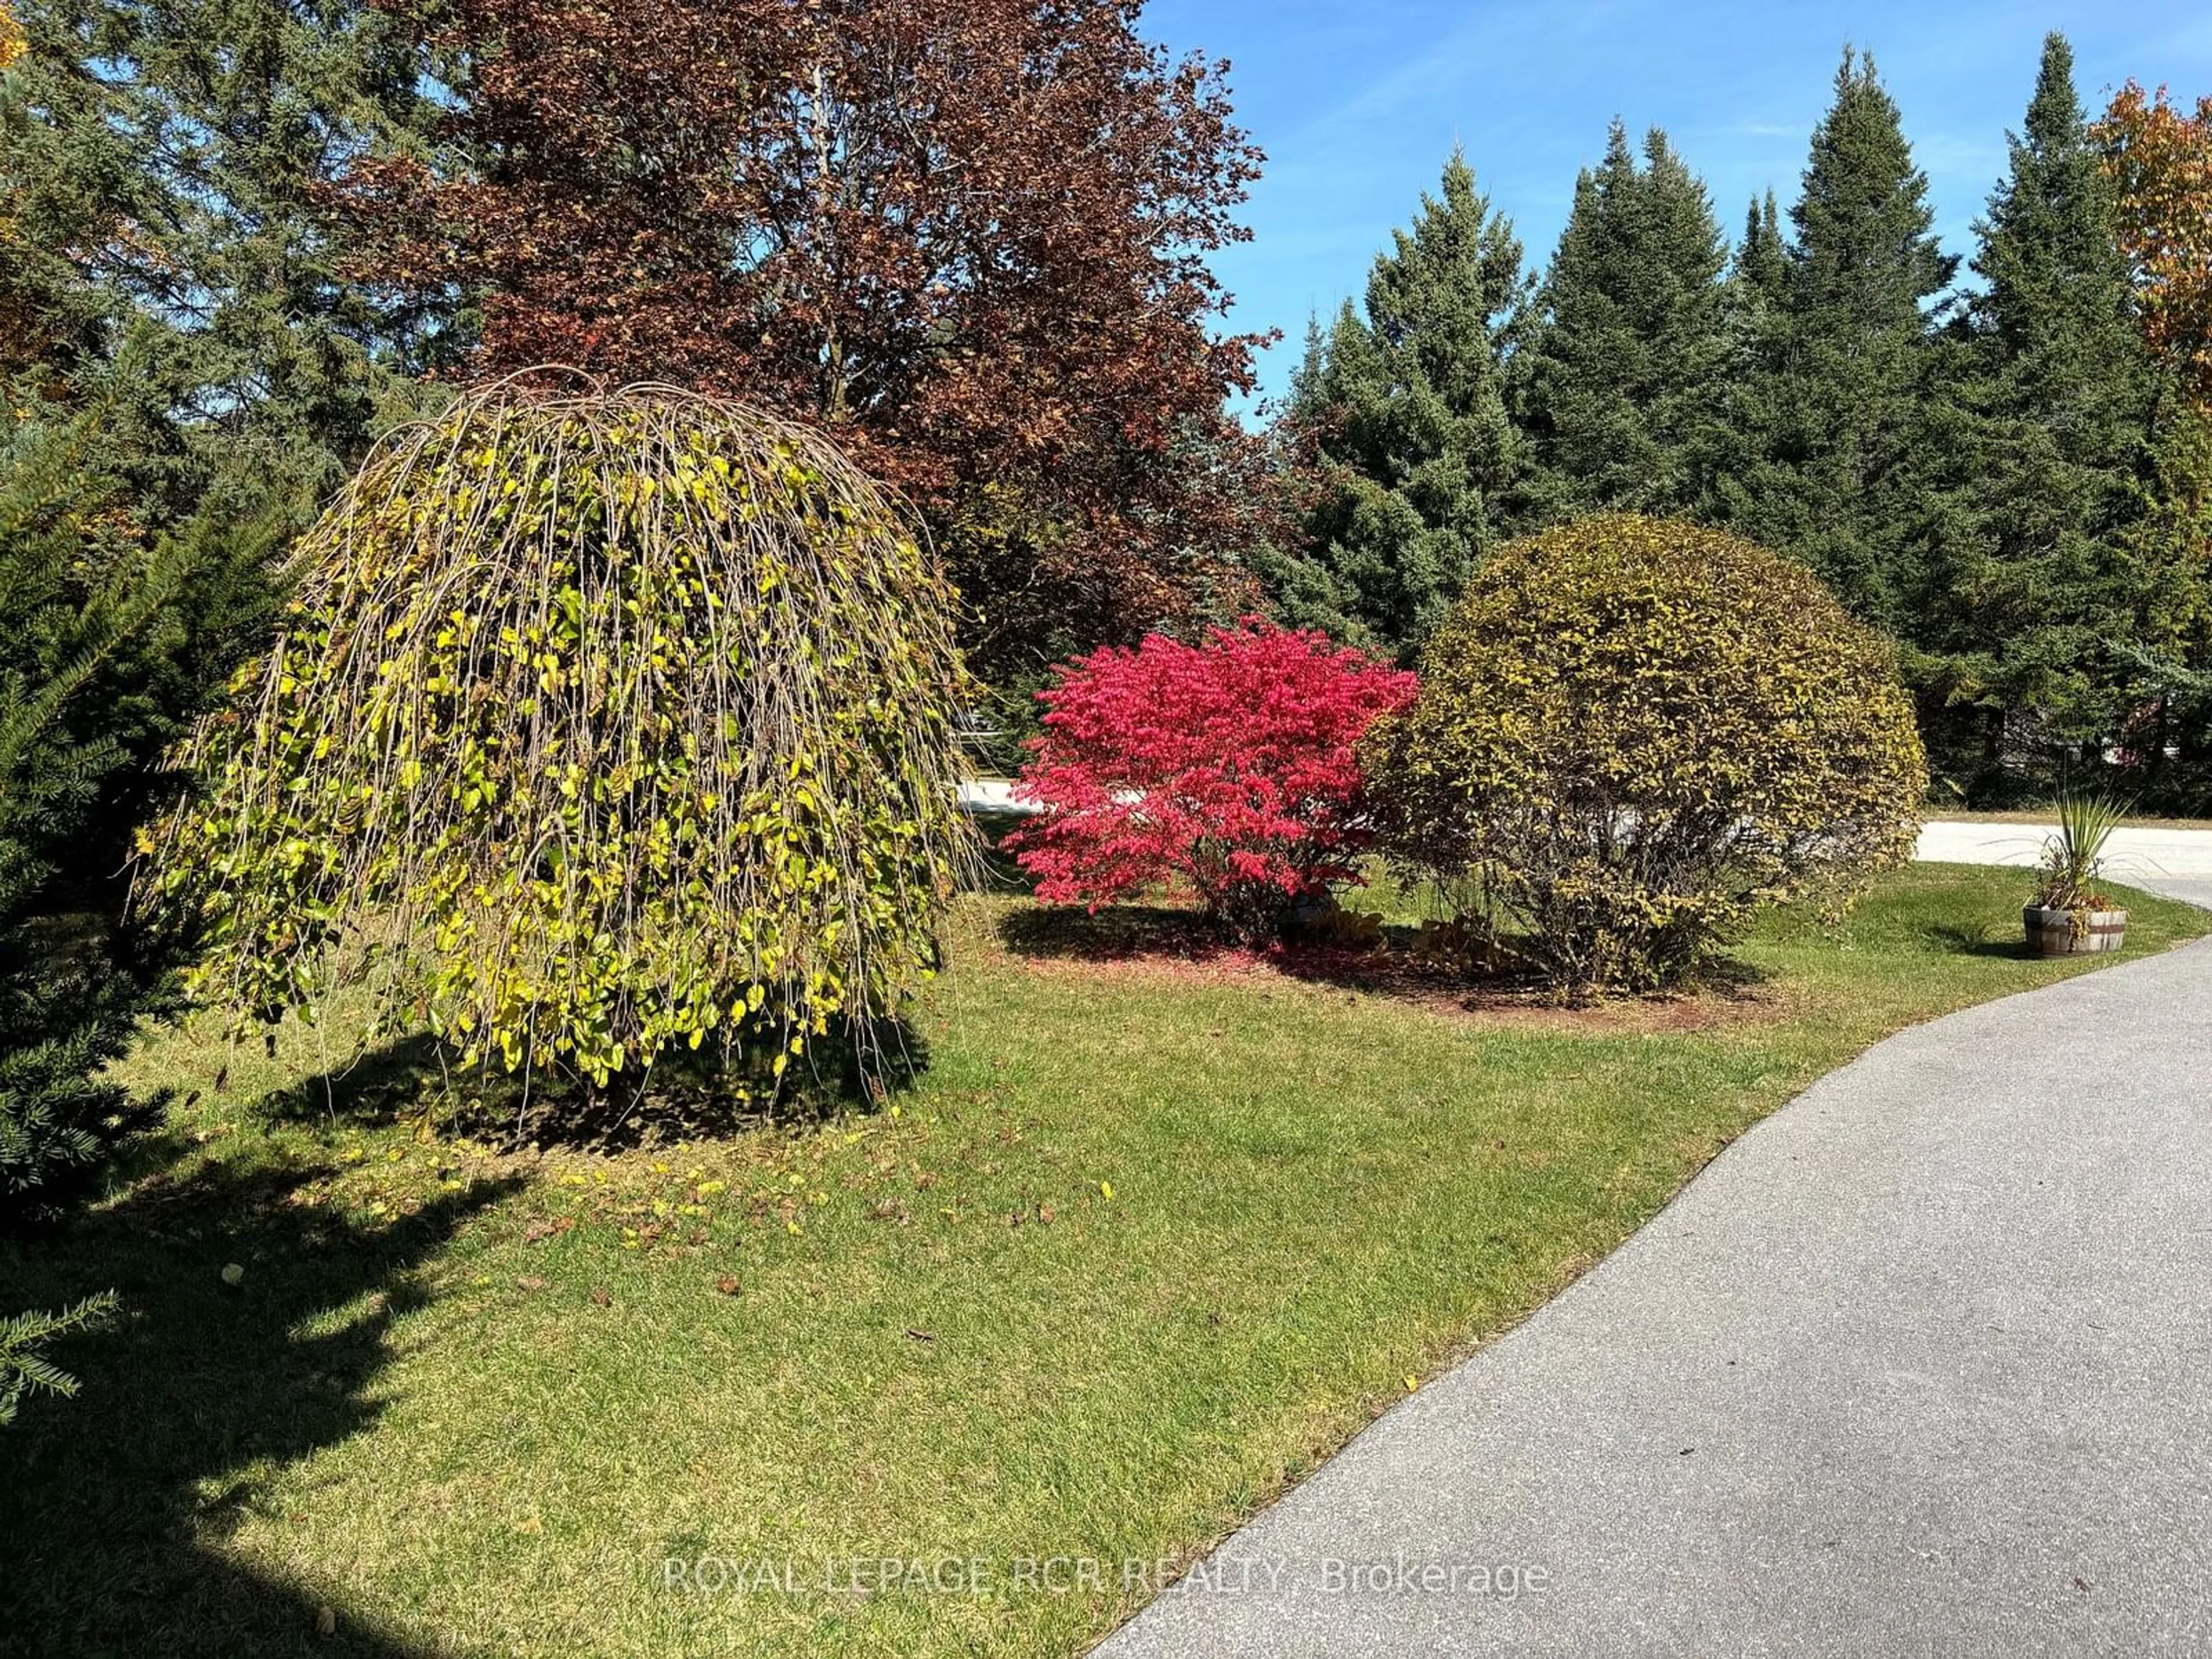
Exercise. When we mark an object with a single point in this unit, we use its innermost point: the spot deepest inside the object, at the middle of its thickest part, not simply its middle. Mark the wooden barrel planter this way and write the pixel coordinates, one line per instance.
(2071, 933)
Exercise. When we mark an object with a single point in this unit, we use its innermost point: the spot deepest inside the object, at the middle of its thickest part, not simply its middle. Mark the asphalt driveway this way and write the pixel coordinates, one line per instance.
(1918, 1366)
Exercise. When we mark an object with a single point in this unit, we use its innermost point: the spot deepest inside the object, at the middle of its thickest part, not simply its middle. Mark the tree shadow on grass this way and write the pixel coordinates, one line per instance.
(686, 1096)
(1391, 966)
(1977, 939)
(117, 1505)
(1180, 937)
(1397, 971)
(375, 1087)
(1114, 933)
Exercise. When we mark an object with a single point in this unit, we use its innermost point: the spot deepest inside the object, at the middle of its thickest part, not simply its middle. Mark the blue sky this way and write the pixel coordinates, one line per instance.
(1358, 102)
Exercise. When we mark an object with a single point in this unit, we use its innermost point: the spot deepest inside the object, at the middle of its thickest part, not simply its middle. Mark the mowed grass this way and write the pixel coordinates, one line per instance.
(468, 1403)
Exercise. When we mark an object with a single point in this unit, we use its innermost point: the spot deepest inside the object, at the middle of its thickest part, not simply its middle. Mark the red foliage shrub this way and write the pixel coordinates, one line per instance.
(1228, 764)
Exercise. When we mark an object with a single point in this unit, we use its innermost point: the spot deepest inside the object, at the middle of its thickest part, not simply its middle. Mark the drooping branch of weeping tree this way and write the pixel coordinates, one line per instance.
(604, 720)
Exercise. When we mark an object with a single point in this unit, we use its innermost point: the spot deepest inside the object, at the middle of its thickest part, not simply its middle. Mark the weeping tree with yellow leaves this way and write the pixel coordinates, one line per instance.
(605, 724)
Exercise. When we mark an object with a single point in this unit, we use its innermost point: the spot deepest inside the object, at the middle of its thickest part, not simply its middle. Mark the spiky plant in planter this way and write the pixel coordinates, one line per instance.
(2068, 913)
(604, 722)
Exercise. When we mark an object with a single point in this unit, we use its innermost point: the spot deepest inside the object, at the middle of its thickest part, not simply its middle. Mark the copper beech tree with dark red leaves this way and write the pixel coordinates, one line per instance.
(968, 238)
(1226, 766)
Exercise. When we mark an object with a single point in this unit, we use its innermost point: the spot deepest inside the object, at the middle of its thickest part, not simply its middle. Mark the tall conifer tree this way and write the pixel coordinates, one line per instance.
(2035, 575)
(1753, 296)
(1414, 458)
(164, 167)
(1833, 472)
(1762, 258)
(181, 365)
(1622, 374)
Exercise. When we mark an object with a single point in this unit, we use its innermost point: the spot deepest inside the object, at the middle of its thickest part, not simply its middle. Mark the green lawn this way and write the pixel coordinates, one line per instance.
(470, 1403)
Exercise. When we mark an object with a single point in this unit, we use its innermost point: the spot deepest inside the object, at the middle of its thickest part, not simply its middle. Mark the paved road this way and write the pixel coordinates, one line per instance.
(1918, 1366)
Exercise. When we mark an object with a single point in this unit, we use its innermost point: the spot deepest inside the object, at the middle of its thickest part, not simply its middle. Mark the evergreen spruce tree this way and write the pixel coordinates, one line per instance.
(1761, 268)
(116, 628)
(179, 385)
(1621, 380)
(2035, 577)
(1832, 472)
(1304, 589)
(1753, 296)
(1414, 460)
(161, 166)
(189, 364)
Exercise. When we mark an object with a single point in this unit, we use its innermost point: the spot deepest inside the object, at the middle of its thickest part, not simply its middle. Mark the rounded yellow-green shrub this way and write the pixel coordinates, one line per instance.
(604, 722)
(1631, 734)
